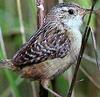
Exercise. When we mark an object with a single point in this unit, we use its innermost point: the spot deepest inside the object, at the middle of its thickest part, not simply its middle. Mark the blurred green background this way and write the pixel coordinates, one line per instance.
(18, 21)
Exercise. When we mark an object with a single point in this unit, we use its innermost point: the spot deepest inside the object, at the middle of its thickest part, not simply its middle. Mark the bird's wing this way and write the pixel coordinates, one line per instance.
(49, 42)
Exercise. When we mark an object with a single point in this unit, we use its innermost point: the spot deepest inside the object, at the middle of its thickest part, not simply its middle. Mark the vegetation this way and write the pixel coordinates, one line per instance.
(18, 21)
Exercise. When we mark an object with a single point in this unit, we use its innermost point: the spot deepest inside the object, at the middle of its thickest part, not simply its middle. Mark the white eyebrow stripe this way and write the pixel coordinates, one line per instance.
(65, 8)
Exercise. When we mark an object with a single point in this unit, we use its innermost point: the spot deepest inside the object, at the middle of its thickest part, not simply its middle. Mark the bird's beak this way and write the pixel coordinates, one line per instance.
(87, 11)
(84, 12)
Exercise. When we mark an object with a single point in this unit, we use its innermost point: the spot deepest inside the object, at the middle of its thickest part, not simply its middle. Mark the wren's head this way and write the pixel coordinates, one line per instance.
(70, 15)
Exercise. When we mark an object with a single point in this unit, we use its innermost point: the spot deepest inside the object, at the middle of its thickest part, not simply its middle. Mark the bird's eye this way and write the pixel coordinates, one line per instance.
(71, 11)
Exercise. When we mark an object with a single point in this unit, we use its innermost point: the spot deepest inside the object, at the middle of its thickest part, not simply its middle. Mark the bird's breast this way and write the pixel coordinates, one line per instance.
(51, 68)
(76, 40)
(59, 65)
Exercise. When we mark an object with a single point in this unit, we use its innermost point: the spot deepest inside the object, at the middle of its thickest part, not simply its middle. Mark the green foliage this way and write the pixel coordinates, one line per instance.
(11, 85)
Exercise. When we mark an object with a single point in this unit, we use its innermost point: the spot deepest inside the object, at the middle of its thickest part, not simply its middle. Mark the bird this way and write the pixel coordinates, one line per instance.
(54, 47)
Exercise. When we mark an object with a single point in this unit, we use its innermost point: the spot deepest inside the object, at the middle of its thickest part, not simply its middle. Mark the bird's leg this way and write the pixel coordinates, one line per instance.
(45, 84)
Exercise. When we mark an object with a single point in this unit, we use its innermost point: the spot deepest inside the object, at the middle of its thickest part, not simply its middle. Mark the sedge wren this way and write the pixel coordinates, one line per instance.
(54, 47)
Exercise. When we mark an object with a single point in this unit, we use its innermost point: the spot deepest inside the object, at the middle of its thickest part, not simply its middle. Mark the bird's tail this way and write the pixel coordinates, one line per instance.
(6, 64)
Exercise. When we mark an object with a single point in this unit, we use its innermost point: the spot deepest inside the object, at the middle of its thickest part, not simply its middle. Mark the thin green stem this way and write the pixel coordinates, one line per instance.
(22, 30)
(7, 72)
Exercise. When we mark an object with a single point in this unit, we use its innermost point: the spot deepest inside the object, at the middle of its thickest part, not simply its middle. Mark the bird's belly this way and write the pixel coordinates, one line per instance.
(57, 66)
(48, 69)
(54, 67)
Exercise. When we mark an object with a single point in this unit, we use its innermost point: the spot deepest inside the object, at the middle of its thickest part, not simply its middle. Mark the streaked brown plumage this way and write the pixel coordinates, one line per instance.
(54, 47)
(47, 45)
